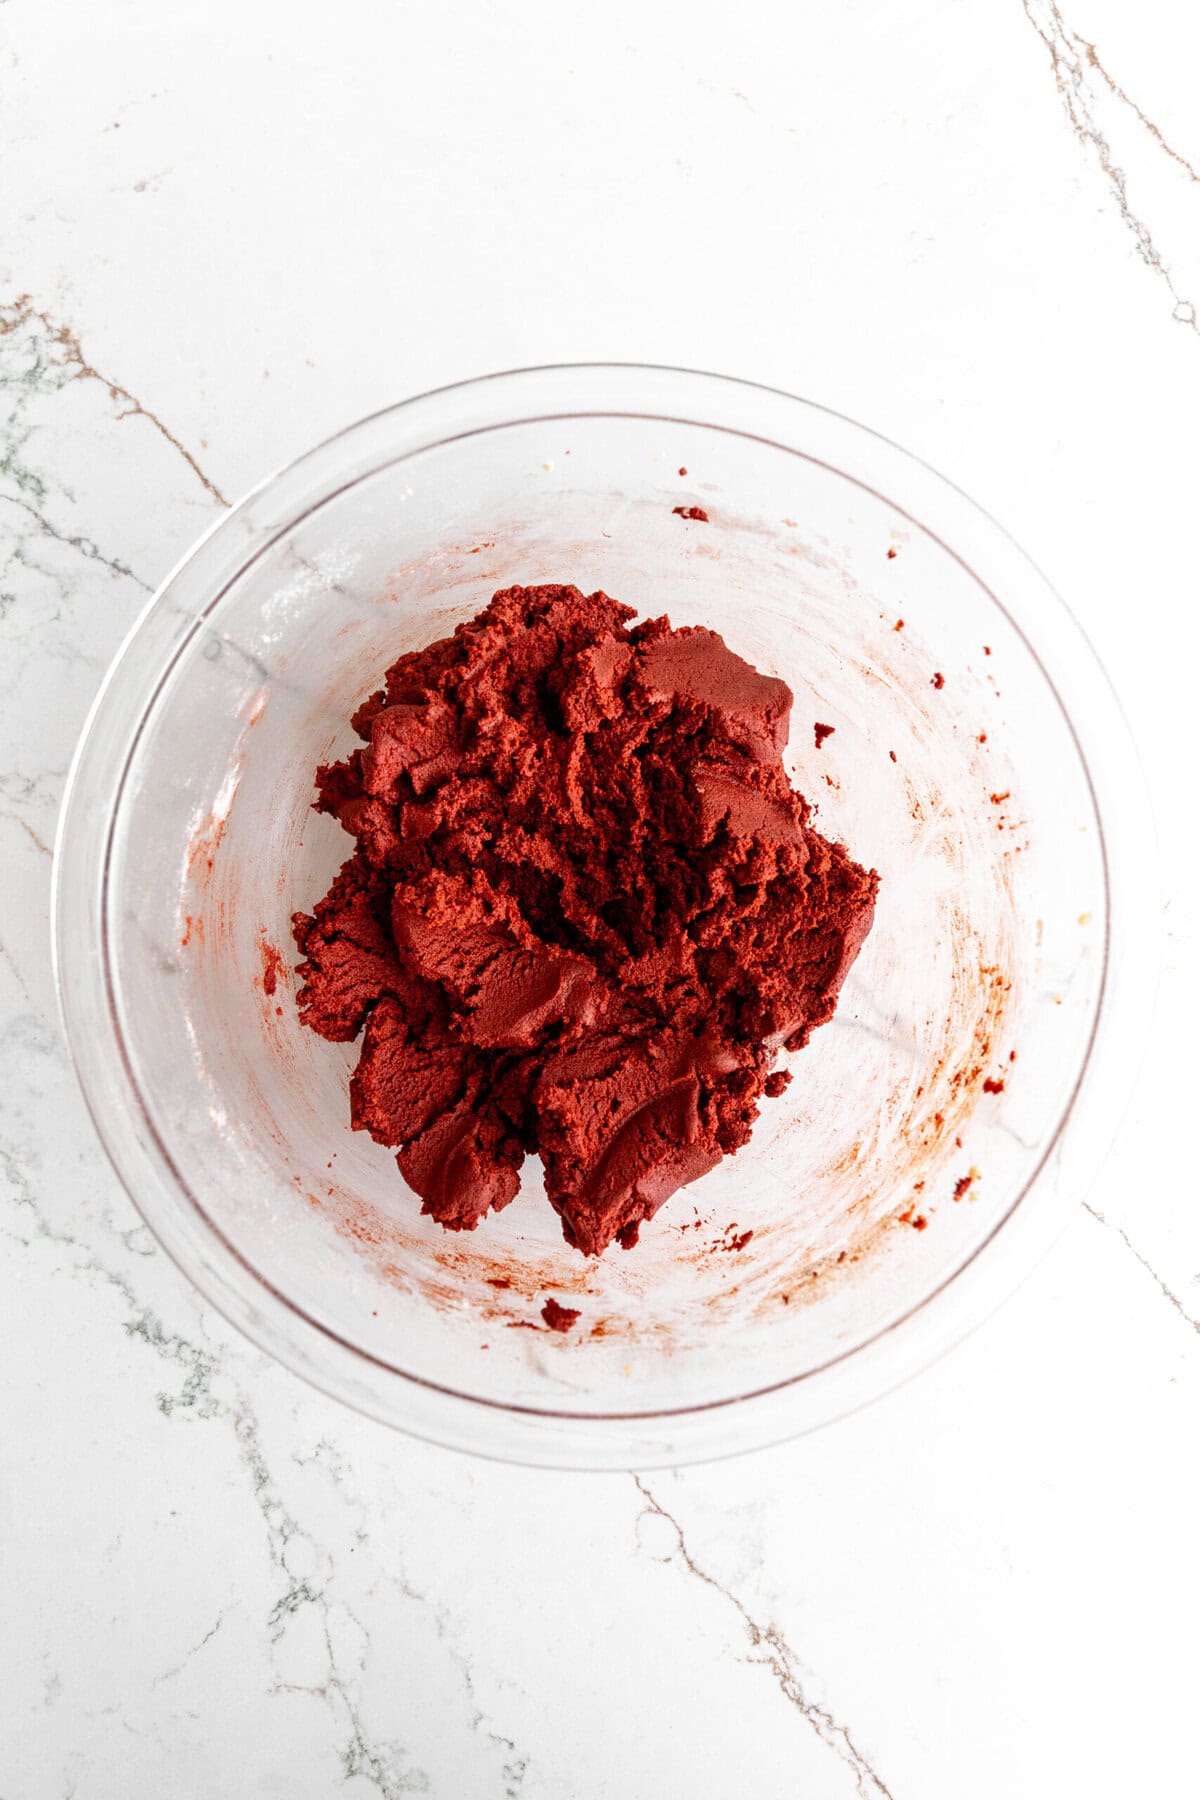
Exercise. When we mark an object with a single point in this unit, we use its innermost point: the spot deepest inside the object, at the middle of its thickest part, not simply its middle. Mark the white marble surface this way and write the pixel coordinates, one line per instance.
(236, 227)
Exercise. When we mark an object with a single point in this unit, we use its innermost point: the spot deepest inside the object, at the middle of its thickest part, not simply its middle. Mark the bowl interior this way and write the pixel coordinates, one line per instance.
(952, 769)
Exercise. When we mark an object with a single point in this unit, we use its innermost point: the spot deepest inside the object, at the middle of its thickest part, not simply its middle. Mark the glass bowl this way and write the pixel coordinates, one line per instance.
(935, 1133)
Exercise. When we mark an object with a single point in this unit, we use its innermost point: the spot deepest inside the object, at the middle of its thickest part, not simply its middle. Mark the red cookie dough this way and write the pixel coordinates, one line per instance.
(558, 1317)
(585, 910)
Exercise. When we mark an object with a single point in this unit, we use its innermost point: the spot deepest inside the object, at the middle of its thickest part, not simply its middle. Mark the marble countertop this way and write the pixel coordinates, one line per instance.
(230, 229)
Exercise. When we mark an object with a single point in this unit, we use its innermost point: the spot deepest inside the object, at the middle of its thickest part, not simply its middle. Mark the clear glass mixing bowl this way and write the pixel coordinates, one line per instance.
(933, 1136)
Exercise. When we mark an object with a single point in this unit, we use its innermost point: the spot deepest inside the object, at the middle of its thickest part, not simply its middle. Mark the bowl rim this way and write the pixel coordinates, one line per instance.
(75, 897)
